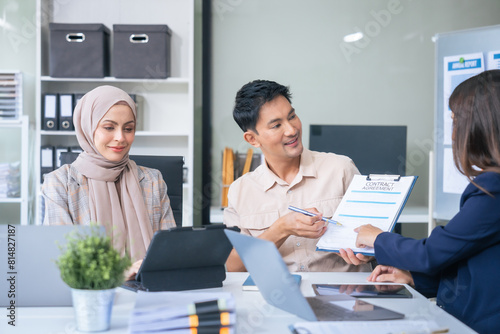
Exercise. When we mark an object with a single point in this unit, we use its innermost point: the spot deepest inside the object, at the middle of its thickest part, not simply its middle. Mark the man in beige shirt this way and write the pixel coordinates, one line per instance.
(258, 201)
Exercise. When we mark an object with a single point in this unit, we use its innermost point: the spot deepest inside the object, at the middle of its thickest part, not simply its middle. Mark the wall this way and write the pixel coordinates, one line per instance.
(385, 79)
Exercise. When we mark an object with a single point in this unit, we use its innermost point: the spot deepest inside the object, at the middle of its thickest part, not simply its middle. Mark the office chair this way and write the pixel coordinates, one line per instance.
(171, 168)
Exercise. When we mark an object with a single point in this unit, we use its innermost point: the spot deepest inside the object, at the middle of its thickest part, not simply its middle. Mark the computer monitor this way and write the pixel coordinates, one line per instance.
(374, 149)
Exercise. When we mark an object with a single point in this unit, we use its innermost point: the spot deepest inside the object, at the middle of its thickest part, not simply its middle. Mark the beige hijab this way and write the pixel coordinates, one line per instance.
(122, 212)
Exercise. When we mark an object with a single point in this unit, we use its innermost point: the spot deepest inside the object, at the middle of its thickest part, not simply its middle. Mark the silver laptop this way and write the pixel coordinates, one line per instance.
(32, 277)
(269, 272)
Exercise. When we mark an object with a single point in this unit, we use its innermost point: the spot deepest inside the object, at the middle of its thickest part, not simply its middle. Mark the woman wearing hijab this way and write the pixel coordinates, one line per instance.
(103, 185)
(458, 262)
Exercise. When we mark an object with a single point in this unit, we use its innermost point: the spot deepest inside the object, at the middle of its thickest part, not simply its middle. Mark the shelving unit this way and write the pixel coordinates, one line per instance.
(22, 125)
(165, 118)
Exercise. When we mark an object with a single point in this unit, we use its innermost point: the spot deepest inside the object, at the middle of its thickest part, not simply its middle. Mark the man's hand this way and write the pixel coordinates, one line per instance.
(391, 274)
(355, 259)
(300, 225)
(292, 223)
(366, 235)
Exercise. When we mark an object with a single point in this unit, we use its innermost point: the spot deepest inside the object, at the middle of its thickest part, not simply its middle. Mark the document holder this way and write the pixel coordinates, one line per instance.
(185, 258)
(376, 199)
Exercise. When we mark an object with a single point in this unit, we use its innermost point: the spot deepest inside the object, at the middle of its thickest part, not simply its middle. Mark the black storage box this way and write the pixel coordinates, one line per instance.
(141, 51)
(79, 50)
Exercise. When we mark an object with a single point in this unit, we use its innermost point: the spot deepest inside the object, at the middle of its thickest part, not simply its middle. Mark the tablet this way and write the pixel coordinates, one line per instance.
(363, 290)
(184, 258)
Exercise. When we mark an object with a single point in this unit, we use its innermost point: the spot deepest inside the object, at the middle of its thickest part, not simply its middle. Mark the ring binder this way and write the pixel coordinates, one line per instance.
(49, 117)
(65, 112)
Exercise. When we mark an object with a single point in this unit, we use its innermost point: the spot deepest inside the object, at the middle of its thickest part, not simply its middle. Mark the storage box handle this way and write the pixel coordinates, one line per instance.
(139, 38)
(75, 37)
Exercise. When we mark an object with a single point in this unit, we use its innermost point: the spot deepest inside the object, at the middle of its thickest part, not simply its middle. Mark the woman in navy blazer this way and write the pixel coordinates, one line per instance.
(458, 263)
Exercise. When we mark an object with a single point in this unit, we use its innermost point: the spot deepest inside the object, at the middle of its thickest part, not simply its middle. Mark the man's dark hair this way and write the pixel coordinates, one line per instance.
(251, 97)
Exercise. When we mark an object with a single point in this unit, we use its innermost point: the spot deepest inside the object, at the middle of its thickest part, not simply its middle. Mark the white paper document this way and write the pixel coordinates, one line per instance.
(378, 201)
(172, 312)
(362, 327)
(457, 69)
(493, 60)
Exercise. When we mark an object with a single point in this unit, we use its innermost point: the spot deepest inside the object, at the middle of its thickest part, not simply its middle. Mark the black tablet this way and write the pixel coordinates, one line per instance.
(184, 258)
(363, 290)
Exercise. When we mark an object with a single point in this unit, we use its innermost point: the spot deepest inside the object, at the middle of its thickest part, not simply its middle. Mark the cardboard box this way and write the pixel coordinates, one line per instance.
(141, 51)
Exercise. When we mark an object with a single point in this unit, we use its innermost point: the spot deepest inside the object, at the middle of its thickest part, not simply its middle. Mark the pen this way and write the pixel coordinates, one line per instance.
(307, 213)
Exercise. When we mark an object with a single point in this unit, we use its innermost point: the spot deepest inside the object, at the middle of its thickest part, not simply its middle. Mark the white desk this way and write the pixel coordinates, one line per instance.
(410, 214)
(254, 315)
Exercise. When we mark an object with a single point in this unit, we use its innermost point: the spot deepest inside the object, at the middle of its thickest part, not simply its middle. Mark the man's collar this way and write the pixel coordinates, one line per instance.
(306, 169)
(307, 166)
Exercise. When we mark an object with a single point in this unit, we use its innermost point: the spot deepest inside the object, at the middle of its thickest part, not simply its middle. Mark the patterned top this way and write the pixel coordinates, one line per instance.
(66, 195)
(257, 199)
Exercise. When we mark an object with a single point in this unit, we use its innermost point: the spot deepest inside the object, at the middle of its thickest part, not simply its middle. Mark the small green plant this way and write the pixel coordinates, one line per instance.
(89, 261)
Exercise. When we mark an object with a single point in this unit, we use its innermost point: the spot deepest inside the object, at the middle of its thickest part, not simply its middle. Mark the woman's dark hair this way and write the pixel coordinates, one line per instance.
(475, 104)
(251, 97)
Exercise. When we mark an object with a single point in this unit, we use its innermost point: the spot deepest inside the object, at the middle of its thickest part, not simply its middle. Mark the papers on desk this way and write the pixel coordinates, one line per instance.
(373, 327)
(183, 312)
(376, 200)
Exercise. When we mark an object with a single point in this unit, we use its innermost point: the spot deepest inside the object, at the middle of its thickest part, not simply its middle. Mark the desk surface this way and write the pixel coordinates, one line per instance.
(410, 214)
(254, 315)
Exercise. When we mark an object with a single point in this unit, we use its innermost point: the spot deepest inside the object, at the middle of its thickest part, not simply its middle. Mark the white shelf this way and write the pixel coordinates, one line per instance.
(160, 134)
(138, 133)
(410, 214)
(23, 125)
(171, 80)
(11, 200)
(11, 123)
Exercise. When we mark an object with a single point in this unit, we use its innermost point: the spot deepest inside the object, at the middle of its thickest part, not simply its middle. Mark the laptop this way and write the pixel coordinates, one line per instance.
(184, 258)
(32, 277)
(268, 270)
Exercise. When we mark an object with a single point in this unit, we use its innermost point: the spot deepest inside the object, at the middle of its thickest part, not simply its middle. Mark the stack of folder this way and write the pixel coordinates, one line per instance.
(10, 180)
(11, 99)
(183, 312)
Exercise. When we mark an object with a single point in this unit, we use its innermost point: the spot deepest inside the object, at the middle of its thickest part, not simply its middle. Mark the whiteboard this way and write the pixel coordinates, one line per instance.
(480, 40)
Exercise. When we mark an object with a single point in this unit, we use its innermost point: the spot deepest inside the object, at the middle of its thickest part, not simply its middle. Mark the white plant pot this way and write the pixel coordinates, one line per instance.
(92, 309)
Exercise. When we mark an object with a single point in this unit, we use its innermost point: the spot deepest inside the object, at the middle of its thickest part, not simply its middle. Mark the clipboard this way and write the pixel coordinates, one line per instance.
(375, 199)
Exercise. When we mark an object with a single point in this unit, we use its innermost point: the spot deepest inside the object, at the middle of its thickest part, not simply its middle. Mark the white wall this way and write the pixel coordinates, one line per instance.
(386, 80)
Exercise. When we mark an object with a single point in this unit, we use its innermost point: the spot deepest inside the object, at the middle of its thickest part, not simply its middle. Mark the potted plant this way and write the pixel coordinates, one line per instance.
(92, 268)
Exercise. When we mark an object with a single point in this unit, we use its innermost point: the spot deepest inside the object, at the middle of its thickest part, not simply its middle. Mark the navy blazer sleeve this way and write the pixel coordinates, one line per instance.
(475, 228)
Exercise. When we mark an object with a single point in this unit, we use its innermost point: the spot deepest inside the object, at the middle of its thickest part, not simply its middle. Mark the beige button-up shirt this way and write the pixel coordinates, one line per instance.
(257, 199)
